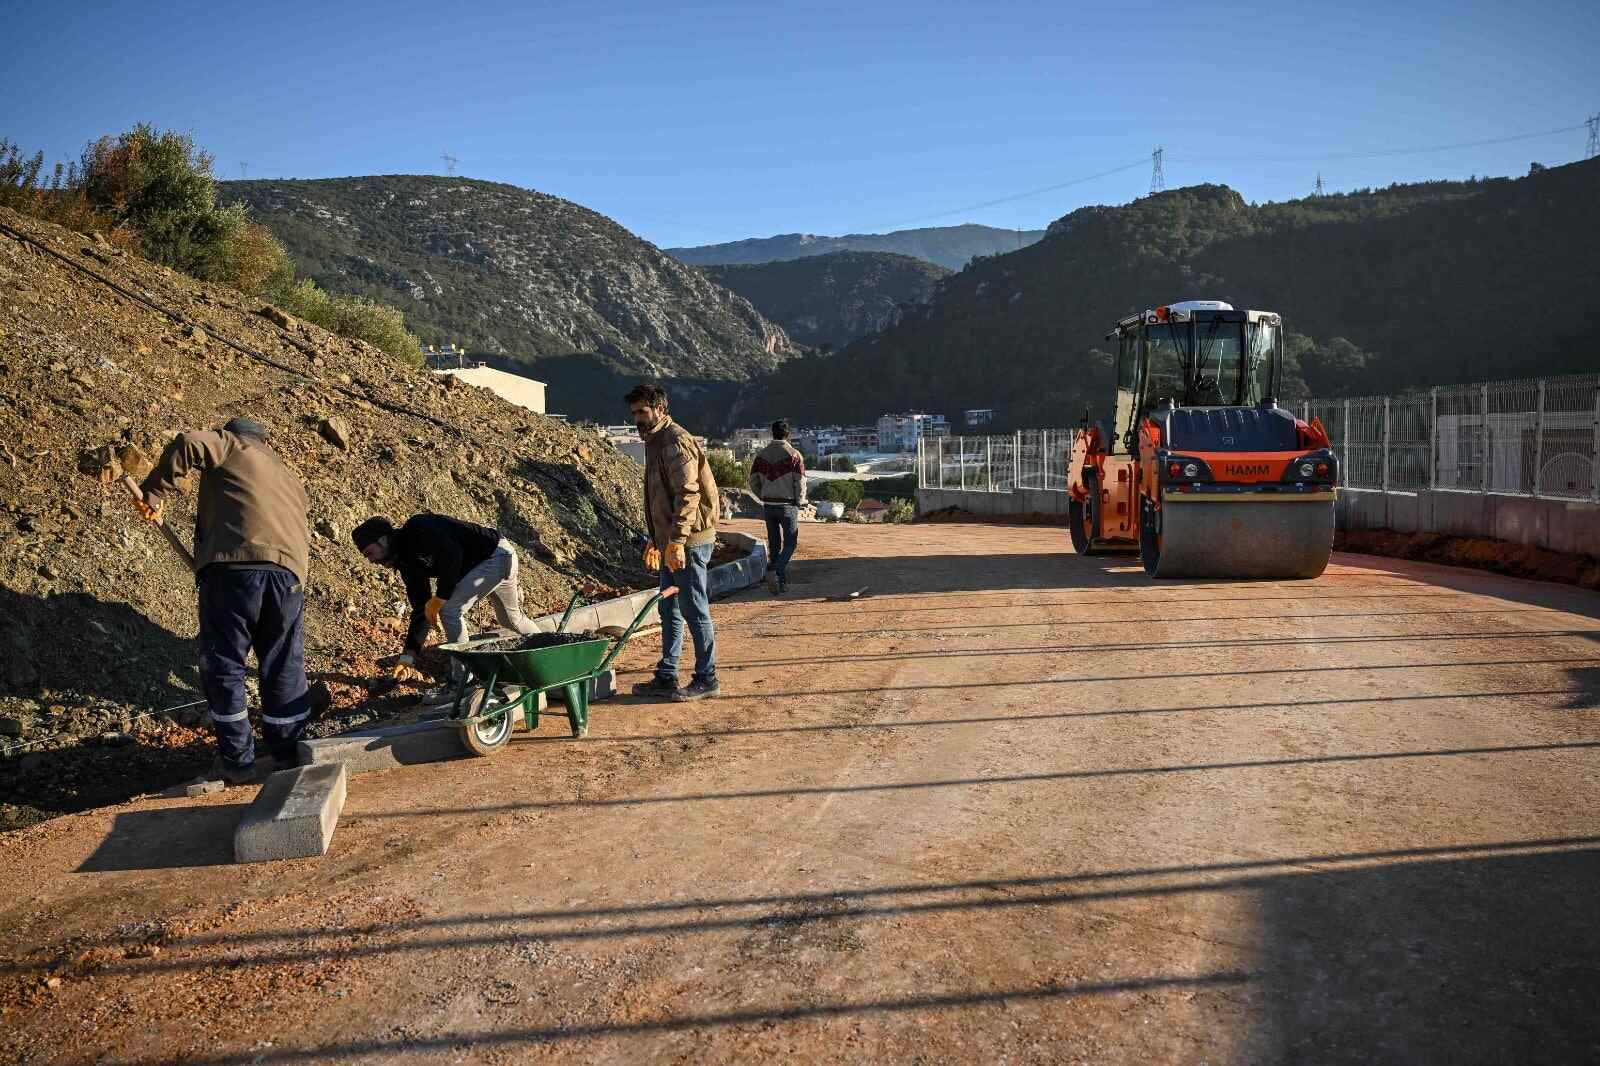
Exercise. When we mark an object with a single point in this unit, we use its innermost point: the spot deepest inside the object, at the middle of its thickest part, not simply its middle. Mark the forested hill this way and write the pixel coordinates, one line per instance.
(951, 247)
(1411, 285)
(539, 281)
(833, 299)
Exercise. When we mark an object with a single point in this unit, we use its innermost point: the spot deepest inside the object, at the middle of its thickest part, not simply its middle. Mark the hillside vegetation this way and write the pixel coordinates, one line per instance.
(1407, 286)
(543, 282)
(100, 347)
(831, 300)
(952, 247)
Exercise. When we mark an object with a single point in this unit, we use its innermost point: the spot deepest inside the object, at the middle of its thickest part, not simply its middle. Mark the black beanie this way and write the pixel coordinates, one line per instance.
(245, 427)
(371, 531)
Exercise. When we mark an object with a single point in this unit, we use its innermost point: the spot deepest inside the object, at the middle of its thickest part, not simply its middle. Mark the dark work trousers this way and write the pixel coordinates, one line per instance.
(242, 610)
(783, 531)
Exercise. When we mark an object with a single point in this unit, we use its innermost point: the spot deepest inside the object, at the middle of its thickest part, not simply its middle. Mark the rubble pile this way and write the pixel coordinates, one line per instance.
(98, 694)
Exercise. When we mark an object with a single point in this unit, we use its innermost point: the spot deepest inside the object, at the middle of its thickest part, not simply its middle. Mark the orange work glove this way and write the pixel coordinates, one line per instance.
(147, 512)
(652, 558)
(432, 609)
(677, 557)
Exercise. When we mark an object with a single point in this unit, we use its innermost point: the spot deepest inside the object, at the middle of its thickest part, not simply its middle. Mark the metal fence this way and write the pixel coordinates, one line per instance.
(1538, 437)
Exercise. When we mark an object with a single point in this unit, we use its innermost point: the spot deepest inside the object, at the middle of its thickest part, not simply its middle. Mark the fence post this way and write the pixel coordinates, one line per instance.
(1386, 444)
(961, 457)
(938, 450)
(1016, 462)
(922, 469)
(988, 461)
(1538, 440)
(1594, 455)
(1433, 442)
(1346, 442)
(1483, 403)
(1305, 411)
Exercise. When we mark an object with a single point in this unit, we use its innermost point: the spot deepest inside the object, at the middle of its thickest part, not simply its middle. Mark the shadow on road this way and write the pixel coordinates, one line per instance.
(168, 839)
(1467, 953)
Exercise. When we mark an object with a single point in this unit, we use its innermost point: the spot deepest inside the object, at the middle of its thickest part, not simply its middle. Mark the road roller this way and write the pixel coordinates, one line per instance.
(1198, 469)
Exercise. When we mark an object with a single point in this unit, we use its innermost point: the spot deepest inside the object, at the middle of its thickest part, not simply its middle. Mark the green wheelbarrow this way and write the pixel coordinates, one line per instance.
(499, 685)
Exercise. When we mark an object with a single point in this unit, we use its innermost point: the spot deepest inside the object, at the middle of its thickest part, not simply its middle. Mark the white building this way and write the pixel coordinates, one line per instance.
(900, 433)
(514, 388)
(978, 416)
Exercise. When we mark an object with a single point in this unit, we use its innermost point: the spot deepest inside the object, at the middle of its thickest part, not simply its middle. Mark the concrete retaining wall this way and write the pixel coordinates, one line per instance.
(1020, 502)
(1559, 525)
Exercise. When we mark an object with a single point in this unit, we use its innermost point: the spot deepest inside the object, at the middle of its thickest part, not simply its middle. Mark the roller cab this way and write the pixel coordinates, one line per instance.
(1198, 467)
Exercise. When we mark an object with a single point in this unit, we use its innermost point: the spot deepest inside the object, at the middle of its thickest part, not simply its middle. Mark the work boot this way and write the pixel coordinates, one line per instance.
(783, 585)
(255, 773)
(697, 690)
(657, 688)
(774, 582)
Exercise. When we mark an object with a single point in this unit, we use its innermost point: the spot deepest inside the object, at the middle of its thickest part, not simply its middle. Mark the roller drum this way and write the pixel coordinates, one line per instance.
(1243, 539)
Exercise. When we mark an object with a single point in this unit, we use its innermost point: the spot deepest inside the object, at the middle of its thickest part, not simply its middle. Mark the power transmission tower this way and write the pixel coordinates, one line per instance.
(1593, 148)
(244, 171)
(1319, 184)
(1158, 181)
(450, 162)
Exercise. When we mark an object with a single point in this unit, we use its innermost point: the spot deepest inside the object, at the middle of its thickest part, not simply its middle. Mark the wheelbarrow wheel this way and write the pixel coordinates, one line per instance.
(487, 735)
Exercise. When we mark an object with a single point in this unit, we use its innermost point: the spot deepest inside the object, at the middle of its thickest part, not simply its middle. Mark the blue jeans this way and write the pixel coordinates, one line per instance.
(783, 532)
(244, 610)
(692, 604)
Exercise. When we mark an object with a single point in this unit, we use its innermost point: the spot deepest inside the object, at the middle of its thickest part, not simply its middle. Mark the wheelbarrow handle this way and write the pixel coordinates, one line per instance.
(616, 649)
(572, 605)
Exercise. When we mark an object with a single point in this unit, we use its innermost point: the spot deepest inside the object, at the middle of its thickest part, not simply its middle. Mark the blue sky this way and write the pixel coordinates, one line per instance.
(694, 123)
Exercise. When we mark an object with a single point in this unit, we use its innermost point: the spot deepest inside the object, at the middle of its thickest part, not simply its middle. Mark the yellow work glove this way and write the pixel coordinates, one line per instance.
(432, 609)
(652, 558)
(677, 557)
(147, 512)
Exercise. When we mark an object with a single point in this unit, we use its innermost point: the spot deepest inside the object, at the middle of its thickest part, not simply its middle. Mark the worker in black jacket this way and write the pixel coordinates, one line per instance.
(447, 565)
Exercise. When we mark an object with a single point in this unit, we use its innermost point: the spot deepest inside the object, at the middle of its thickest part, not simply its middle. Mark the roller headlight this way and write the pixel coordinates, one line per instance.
(1307, 469)
(1191, 470)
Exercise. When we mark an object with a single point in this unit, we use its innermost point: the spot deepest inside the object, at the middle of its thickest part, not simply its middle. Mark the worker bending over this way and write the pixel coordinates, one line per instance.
(251, 549)
(447, 566)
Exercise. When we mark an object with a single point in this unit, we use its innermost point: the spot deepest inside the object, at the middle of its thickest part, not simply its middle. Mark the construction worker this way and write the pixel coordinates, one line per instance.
(447, 566)
(778, 477)
(680, 506)
(251, 548)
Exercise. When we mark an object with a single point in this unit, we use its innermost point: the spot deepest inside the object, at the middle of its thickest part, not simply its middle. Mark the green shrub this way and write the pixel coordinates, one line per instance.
(729, 472)
(350, 316)
(900, 511)
(845, 491)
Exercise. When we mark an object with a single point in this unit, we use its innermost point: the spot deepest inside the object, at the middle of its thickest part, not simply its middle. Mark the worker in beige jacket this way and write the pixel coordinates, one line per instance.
(680, 505)
(251, 551)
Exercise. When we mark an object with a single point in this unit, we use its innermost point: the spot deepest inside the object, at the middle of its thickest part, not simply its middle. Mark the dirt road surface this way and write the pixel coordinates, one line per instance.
(1010, 805)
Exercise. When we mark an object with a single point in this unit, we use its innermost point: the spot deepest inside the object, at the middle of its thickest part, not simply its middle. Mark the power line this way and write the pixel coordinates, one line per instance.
(1379, 154)
(1021, 195)
(1158, 180)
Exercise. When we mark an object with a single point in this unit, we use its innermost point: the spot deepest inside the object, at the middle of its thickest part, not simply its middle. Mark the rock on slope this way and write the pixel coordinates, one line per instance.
(513, 271)
(833, 299)
(98, 614)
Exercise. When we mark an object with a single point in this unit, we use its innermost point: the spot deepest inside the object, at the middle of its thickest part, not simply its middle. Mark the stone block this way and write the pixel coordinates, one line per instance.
(293, 816)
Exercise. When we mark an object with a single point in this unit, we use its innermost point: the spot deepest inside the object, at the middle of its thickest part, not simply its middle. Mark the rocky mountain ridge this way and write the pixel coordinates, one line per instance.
(952, 247)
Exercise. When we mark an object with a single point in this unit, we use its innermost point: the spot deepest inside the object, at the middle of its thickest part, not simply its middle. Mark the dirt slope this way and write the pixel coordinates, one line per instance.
(98, 614)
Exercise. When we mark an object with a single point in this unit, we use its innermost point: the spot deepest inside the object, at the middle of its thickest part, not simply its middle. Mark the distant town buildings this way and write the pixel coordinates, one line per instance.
(900, 433)
(979, 416)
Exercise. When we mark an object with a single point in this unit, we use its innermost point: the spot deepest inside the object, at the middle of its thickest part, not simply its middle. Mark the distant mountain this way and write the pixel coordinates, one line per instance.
(949, 246)
(833, 299)
(1384, 289)
(566, 292)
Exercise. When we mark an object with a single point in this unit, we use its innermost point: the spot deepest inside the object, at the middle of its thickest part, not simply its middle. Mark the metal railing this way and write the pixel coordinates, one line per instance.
(1537, 437)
